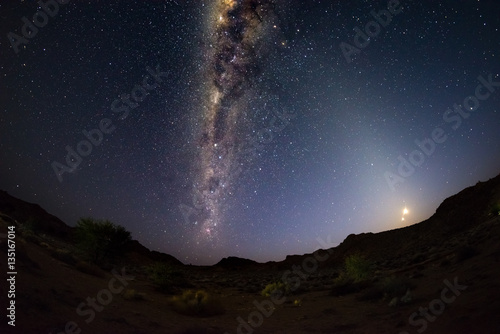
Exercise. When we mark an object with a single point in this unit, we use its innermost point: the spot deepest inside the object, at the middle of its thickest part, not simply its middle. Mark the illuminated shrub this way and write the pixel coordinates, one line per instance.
(197, 303)
(275, 289)
(357, 267)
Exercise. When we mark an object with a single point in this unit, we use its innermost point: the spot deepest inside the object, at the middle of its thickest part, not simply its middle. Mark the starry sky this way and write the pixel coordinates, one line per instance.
(247, 128)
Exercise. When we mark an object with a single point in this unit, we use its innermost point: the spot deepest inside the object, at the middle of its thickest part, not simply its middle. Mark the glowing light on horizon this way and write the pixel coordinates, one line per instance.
(405, 212)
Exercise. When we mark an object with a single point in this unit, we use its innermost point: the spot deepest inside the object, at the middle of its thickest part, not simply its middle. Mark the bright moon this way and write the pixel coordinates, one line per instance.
(405, 211)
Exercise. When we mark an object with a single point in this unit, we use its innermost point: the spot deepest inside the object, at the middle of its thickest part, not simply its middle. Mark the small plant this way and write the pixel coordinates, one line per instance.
(165, 277)
(495, 210)
(354, 276)
(30, 227)
(275, 289)
(197, 303)
(342, 279)
(345, 284)
(357, 268)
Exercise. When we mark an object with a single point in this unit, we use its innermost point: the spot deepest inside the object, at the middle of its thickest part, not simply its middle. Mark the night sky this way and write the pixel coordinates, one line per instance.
(248, 128)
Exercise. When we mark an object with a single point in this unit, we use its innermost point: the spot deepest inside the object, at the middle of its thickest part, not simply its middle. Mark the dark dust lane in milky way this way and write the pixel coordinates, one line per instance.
(239, 32)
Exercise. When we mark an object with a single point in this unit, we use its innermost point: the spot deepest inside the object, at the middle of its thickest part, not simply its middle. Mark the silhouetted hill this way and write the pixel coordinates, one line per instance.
(458, 213)
(137, 248)
(235, 262)
(455, 215)
(21, 212)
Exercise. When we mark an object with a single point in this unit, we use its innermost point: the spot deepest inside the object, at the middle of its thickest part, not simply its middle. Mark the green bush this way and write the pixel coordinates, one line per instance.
(276, 289)
(101, 239)
(30, 226)
(197, 303)
(165, 277)
(357, 267)
(495, 210)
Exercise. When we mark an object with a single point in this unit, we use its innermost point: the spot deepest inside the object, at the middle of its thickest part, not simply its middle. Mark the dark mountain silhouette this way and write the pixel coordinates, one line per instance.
(15, 210)
(455, 215)
(235, 262)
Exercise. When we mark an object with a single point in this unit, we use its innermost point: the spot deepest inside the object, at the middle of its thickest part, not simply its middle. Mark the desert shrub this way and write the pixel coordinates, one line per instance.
(342, 279)
(353, 277)
(278, 288)
(344, 285)
(89, 269)
(197, 303)
(30, 226)
(63, 255)
(357, 268)
(165, 277)
(131, 294)
(495, 210)
(101, 239)
(29, 231)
